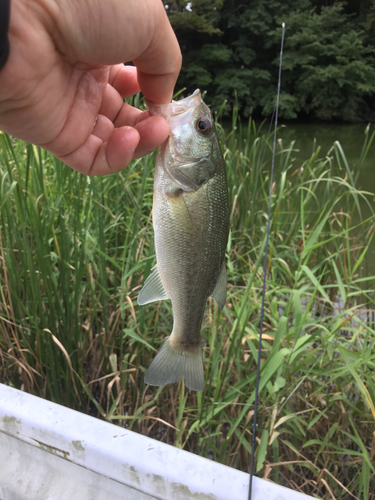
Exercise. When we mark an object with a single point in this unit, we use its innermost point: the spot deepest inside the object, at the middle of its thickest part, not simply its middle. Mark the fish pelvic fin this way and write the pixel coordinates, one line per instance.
(171, 363)
(153, 289)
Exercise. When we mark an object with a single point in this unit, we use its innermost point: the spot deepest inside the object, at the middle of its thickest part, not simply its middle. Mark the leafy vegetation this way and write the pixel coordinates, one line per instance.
(75, 250)
(233, 46)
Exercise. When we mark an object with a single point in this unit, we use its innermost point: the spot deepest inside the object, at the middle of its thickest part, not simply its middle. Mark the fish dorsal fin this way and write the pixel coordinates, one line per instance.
(220, 291)
(153, 289)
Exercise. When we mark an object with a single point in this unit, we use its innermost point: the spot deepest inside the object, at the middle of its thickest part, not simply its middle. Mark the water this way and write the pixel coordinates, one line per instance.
(308, 137)
(351, 138)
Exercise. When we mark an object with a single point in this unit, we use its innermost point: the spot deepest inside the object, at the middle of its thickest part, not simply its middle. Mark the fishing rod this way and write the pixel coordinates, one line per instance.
(265, 274)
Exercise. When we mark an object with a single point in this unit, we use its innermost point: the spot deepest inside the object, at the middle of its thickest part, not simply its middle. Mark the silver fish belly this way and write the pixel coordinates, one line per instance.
(191, 225)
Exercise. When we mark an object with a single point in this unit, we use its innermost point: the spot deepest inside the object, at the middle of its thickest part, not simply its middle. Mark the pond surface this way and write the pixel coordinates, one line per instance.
(308, 137)
(351, 138)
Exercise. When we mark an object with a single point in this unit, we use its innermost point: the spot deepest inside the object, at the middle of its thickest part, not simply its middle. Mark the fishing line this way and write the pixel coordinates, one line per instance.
(265, 273)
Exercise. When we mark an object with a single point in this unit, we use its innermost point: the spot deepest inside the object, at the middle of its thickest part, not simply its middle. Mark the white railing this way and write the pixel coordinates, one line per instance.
(49, 452)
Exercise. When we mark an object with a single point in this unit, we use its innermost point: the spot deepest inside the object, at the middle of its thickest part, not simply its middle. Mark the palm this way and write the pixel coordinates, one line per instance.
(81, 120)
(84, 123)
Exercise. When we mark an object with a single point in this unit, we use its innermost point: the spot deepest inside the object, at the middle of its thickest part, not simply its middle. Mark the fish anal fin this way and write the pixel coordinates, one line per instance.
(153, 289)
(172, 363)
(220, 291)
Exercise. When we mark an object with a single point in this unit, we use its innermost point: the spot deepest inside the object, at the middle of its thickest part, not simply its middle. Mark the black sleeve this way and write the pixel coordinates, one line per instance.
(4, 24)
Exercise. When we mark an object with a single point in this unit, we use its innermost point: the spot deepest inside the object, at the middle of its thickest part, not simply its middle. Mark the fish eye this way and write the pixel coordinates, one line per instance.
(203, 125)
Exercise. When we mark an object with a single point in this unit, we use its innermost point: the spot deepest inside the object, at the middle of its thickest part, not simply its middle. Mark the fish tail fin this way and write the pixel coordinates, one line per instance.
(171, 363)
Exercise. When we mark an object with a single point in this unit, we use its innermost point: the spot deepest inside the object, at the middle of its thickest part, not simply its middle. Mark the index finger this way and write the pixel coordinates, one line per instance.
(159, 65)
(118, 31)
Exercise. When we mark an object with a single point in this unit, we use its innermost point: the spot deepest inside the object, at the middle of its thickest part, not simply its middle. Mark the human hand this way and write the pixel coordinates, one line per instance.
(63, 85)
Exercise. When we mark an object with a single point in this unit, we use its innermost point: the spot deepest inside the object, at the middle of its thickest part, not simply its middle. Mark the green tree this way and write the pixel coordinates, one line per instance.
(328, 69)
(231, 50)
(195, 25)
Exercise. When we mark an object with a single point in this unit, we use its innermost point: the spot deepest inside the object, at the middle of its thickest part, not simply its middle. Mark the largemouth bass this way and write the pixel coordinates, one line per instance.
(191, 225)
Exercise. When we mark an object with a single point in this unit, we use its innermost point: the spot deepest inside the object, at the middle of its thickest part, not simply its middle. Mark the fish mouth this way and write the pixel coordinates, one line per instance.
(175, 108)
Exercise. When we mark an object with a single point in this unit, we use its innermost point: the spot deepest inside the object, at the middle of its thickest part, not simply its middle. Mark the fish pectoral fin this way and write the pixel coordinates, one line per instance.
(190, 176)
(220, 291)
(153, 289)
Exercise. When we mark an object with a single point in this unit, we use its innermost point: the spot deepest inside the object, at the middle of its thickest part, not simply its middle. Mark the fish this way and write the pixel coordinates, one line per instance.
(191, 227)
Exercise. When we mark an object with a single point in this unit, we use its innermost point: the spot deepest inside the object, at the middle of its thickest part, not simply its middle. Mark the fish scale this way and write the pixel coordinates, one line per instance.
(191, 225)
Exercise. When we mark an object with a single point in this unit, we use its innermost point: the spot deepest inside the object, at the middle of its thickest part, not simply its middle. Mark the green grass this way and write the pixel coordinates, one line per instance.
(73, 255)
